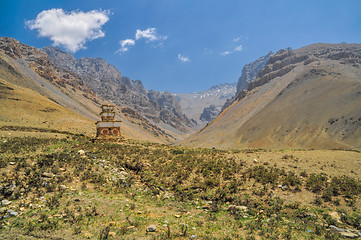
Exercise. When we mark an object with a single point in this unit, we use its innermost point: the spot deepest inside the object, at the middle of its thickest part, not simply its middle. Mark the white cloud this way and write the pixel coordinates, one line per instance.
(70, 30)
(236, 39)
(150, 34)
(225, 53)
(238, 48)
(183, 58)
(125, 45)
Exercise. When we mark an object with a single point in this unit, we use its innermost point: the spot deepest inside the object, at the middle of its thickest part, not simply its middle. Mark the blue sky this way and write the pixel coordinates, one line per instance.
(180, 45)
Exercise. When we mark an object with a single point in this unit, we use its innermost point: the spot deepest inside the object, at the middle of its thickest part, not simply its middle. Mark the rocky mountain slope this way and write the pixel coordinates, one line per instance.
(37, 93)
(206, 103)
(250, 71)
(306, 98)
(161, 108)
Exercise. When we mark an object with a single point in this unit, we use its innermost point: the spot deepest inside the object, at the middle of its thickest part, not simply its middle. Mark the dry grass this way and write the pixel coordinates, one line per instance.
(114, 191)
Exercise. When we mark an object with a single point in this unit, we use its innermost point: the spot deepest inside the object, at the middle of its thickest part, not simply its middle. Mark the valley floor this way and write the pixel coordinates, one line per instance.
(69, 187)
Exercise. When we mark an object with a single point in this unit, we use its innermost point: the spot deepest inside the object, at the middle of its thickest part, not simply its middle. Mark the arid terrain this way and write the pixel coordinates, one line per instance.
(71, 188)
(281, 161)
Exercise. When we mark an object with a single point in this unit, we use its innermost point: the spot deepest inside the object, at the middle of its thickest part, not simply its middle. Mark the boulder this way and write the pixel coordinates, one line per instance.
(349, 234)
(5, 202)
(151, 228)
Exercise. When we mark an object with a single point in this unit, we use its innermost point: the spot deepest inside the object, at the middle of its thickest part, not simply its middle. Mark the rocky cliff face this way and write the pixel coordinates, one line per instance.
(250, 71)
(106, 81)
(41, 64)
(209, 113)
(285, 60)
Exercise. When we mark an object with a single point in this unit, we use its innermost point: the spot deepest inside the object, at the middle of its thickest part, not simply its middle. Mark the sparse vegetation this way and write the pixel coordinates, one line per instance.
(79, 189)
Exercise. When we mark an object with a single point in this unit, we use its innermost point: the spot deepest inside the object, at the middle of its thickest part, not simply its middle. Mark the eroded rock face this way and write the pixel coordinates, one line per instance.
(250, 71)
(40, 63)
(209, 113)
(106, 81)
(285, 60)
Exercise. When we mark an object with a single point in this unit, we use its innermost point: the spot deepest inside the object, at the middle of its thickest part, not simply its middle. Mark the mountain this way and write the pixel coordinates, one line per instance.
(195, 103)
(304, 98)
(250, 71)
(161, 108)
(36, 93)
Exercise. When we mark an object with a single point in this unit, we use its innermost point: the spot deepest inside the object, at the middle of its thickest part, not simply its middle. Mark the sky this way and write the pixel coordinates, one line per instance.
(179, 46)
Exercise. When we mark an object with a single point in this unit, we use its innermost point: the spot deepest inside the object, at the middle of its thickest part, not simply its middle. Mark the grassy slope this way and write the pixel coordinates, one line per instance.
(293, 111)
(117, 190)
(24, 107)
(37, 103)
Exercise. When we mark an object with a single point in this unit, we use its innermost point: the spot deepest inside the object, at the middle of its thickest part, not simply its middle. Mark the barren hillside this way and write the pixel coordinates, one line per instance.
(307, 98)
(35, 93)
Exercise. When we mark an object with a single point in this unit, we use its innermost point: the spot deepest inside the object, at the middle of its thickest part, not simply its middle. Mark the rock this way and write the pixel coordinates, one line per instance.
(2, 210)
(151, 228)
(63, 187)
(250, 71)
(14, 214)
(177, 216)
(47, 175)
(335, 216)
(12, 163)
(336, 229)
(193, 237)
(209, 113)
(237, 208)
(5, 202)
(81, 152)
(349, 234)
(284, 187)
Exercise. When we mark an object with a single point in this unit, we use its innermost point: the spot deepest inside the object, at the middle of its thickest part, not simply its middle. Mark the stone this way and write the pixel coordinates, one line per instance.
(336, 229)
(5, 202)
(349, 234)
(177, 216)
(335, 216)
(63, 187)
(3, 210)
(47, 175)
(284, 187)
(12, 163)
(14, 214)
(151, 228)
(81, 152)
(193, 237)
(237, 208)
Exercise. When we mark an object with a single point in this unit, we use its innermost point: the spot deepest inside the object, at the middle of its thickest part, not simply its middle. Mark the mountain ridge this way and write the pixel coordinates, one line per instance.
(106, 81)
(294, 102)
